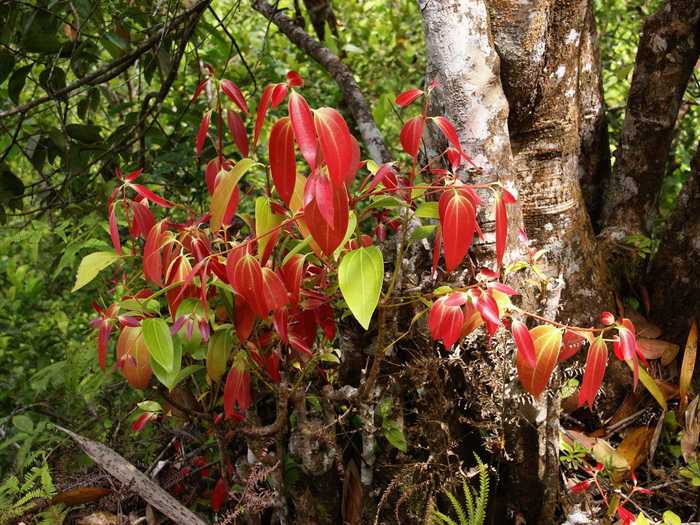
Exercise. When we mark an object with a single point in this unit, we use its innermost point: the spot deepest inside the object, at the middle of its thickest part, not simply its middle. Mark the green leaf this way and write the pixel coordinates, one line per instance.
(16, 83)
(150, 406)
(23, 423)
(7, 62)
(220, 345)
(159, 342)
(428, 210)
(671, 518)
(650, 385)
(394, 435)
(360, 276)
(352, 224)
(224, 188)
(91, 265)
(265, 221)
(85, 133)
(423, 232)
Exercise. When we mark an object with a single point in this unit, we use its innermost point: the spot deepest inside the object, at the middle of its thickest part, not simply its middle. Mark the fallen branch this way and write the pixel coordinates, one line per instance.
(127, 474)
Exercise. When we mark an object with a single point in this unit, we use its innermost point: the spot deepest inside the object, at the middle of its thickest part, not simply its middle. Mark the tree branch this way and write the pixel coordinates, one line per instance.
(667, 52)
(112, 69)
(341, 73)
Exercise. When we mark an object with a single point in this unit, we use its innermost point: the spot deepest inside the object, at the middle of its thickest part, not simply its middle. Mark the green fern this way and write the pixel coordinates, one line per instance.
(18, 497)
(473, 510)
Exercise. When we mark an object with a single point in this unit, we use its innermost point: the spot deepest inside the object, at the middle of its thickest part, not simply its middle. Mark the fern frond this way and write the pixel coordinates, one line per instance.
(483, 497)
(446, 520)
(468, 500)
(457, 506)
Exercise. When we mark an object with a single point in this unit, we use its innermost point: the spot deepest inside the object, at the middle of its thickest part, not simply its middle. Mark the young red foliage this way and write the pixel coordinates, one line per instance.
(446, 318)
(523, 341)
(411, 134)
(233, 92)
(219, 495)
(283, 166)
(407, 97)
(237, 396)
(237, 129)
(458, 223)
(263, 106)
(202, 133)
(327, 234)
(501, 229)
(596, 362)
(547, 342)
(336, 144)
(303, 126)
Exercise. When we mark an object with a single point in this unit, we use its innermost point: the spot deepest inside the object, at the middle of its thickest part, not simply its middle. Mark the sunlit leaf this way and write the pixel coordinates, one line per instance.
(360, 276)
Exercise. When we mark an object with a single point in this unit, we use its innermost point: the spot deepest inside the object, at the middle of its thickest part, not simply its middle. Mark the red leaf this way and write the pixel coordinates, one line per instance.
(320, 188)
(133, 175)
(449, 131)
(231, 206)
(140, 423)
(411, 134)
(274, 292)
(572, 343)
(328, 235)
(501, 229)
(408, 96)
(198, 90)
(336, 143)
(303, 126)
(283, 165)
(596, 362)
(279, 94)
(458, 221)
(202, 133)
(152, 259)
(219, 495)
(524, 342)
(212, 171)
(547, 341)
(238, 131)
(245, 277)
(133, 359)
(143, 219)
(233, 92)
(243, 318)
(105, 329)
(237, 388)
(628, 347)
(114, 230)
(445, 322)
(263, 106)
(488, 308)
(154, 198)
(294, 79)
(292, 275)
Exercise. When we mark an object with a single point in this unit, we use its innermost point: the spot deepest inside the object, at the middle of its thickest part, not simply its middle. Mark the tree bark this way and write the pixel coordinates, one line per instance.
(668, 50)
(552, 79)
(673, 280)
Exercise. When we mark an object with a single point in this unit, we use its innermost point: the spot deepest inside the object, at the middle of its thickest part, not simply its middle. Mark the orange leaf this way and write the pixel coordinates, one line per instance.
(547, 341)
(596, 362)
(691, 348)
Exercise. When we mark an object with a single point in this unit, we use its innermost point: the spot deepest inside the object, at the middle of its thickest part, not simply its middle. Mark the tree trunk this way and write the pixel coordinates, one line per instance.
(668, 50)
(673, 280)
(552, 79)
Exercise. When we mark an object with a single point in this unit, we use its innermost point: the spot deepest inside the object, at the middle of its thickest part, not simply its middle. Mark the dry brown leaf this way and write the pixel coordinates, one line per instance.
(635, 446)
(80, 496)
(99, 518)
(691, 433)
(644, 327)
(656, 348)
(691, 348)
(137, 481)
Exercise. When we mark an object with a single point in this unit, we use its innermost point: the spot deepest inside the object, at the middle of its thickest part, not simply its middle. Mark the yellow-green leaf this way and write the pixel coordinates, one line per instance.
(224, 189)
(156, 335)
(360, 276)
(265, 222)
(91, 265)
(650, 385)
